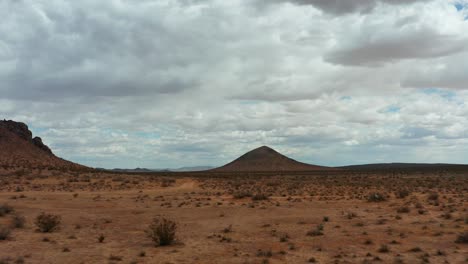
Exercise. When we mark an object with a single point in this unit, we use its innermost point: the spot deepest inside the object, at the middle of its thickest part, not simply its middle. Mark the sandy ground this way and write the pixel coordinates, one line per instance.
(216, 226)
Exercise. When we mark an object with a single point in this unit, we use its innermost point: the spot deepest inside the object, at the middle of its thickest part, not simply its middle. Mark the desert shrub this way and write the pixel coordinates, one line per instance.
(376, 197)
(264, 253)
(162, 231)
(227, 229)
(433, 196)
(4, 233)
(402, 193)
(462, 238)
(384, 249)
(18, 221)
(241, 194)
(101, 238)
(5, 209)
(259, 197)
(115, 258)
(316, 232)
(415, 249)
(167, 182)
(47, 222)
(403, 209)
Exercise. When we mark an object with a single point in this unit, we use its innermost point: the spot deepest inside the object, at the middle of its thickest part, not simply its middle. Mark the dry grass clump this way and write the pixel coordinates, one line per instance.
(318, 231)
(4, 233)
(376, 197)
(47, 223)
(162, 231)
(18, 221)
(259, 197)
(241, 194)
(5, 209)
(462, 238)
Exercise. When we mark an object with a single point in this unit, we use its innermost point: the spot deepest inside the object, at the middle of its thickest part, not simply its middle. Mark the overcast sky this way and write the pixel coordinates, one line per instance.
(171, 83)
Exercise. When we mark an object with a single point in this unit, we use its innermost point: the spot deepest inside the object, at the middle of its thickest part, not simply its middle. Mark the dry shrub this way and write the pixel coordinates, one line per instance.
(462, 238)
(4, 233)
(162, 231)
(18, 221)
(259, 197)
(376, 197)
(5, 209)
(47, 222)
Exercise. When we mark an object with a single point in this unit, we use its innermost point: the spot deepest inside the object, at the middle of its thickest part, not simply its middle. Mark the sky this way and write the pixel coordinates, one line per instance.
(173, 83)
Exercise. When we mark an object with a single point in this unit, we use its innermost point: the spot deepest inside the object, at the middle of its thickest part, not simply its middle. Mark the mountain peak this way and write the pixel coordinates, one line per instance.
(265, 158)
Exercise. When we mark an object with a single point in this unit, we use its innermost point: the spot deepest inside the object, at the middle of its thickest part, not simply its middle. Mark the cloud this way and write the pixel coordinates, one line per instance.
(181, 83)
(420, 31)
(337, 7)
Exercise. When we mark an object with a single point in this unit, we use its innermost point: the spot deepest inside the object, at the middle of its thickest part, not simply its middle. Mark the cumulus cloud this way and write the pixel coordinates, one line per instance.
(338, 7)
(175, 83)
(420, 31)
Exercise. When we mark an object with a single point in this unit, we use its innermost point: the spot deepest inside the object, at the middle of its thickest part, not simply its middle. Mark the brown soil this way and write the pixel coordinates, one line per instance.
(237, 219)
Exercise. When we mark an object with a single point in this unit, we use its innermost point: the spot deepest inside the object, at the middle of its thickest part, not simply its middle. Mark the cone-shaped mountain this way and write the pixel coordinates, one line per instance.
(267, 159)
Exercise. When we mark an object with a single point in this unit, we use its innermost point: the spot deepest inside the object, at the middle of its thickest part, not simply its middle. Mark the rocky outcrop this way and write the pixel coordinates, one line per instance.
(22, 131)
(18, 128)
(37, 141)
(18, 149)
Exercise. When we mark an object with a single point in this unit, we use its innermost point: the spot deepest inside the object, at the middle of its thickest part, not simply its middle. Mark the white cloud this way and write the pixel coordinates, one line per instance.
(175, 83)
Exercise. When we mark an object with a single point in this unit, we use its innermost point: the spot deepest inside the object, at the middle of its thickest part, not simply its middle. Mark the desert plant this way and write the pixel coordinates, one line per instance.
(4, 233)
(403, 209)
(18, 221)
(47, 222)
(384, 249)
(5, 209)
(259, 197)
(162, 231)
(316, 232)
(433, 196)
(462, 238)
(402, 193)
(376, 197)
(241, 194)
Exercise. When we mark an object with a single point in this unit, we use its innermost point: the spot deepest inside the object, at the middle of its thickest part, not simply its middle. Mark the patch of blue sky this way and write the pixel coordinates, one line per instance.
(37, 130)
(447, 94)
(391, 109)
(345, 98)
(148, 135)
(459, 6)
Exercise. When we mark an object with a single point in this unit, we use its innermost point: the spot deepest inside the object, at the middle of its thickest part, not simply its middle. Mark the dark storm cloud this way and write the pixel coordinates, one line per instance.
(420, 43)
(340, 7)
(127, 83)
(65, 50)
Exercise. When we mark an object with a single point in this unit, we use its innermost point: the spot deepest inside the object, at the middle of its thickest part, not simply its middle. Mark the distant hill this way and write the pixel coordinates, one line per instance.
(196, 168)
(133, 170)
(267, 159)
(18, 149)
(389, 166)
(182, 169)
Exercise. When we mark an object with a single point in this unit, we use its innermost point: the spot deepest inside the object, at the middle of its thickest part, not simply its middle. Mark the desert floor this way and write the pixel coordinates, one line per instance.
(251, 219)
